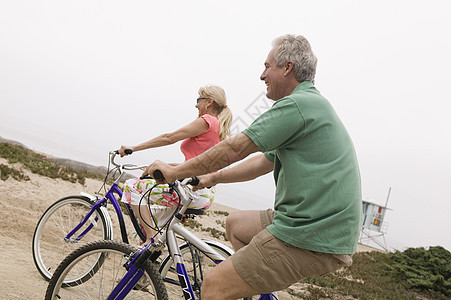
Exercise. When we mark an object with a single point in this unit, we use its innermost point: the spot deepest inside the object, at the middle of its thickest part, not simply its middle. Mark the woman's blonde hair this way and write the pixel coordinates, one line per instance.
(218, 95)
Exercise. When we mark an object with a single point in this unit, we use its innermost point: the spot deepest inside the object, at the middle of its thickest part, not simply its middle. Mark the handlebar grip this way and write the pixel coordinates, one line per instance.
(126, 151)
(194, 181)
(158, 175)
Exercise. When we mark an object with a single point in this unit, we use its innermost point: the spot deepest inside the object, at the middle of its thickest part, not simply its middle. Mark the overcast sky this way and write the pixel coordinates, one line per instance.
(80, 78)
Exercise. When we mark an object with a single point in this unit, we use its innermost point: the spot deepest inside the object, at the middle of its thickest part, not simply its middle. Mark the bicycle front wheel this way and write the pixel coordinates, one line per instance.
(49, 244)
(197, 265)
(100, 266)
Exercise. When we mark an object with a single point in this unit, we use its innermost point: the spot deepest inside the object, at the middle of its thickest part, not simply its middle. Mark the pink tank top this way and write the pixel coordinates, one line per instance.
(192, 147)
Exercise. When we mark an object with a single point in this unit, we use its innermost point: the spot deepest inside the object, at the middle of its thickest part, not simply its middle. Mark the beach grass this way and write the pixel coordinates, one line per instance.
(416, 273)
(38, 164)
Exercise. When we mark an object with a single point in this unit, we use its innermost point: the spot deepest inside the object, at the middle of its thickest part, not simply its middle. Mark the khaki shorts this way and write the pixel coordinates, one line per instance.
(268, 264)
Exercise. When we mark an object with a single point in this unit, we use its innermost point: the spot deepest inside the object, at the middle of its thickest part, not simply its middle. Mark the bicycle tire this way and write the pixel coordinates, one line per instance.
(108, 273)
(168, 273)
(49, 246)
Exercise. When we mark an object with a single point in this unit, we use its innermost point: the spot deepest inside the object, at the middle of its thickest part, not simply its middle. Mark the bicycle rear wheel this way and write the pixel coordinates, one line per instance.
(197, 265)
(98, 279)
(49, 245)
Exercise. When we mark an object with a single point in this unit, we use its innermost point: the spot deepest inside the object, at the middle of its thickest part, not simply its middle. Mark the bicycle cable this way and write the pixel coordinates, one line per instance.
(106, 178)
(157, 228)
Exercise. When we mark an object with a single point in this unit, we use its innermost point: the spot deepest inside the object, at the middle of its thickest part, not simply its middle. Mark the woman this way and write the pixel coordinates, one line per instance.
(211, 126)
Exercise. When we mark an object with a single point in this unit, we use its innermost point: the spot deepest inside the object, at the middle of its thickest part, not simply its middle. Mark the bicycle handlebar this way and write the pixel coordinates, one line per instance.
(124, 167)
(158, 175)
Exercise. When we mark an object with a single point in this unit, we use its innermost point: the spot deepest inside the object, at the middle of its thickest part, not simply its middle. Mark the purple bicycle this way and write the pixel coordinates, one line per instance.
(76, 220)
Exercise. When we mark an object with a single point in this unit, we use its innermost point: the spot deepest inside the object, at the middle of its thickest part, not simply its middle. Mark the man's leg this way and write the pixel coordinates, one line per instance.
(223, 282)
(242, 226)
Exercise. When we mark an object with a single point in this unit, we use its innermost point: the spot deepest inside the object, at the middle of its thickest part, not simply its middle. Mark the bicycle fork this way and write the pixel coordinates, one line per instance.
(135, 271)
(185, 283)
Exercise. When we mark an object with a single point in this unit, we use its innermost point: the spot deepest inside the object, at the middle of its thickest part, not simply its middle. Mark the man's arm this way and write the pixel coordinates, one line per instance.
(249, 169)
(222, 155)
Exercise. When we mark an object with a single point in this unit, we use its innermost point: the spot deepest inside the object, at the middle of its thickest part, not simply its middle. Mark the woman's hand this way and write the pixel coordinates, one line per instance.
(208, 180)
(167, 170)
(122, 150)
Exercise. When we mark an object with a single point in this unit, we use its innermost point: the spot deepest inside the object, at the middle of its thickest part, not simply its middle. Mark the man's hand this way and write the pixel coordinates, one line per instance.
(167, 170)
(208, 180)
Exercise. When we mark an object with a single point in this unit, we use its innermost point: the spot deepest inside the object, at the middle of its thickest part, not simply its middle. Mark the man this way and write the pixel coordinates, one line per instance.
(315, 224)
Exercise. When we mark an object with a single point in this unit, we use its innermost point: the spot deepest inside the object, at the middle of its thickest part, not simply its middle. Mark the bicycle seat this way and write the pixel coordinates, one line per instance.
(195, 211)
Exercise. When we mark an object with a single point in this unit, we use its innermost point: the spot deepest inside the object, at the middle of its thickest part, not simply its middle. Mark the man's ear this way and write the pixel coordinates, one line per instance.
(288, 68)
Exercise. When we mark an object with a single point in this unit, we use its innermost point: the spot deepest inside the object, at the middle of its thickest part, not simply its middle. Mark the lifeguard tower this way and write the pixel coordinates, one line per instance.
(373, 226)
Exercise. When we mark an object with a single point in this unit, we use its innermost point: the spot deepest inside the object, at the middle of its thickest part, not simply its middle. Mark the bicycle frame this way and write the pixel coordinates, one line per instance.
(103, 202)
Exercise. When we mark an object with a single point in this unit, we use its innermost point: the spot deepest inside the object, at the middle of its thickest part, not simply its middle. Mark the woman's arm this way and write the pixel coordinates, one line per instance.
(195, 128)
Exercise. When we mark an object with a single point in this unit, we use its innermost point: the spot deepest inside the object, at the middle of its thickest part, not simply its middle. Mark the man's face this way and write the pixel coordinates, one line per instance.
(273, 77)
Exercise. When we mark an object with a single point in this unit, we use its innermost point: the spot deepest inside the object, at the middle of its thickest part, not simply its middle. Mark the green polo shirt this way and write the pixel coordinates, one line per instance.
(318, 196)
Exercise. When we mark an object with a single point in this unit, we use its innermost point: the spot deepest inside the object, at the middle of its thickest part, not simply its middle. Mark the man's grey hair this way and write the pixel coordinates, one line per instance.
(297, 50)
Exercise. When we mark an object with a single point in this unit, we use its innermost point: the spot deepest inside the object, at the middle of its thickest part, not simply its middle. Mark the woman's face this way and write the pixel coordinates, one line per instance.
(202, 105)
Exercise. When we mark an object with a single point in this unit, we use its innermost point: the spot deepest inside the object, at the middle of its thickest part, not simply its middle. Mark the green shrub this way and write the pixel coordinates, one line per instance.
(424, 270)
(39, 164)
(398, 275)
(6, 172)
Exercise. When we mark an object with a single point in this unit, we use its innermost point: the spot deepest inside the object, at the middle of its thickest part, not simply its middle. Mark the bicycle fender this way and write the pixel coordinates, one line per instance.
(219, 245)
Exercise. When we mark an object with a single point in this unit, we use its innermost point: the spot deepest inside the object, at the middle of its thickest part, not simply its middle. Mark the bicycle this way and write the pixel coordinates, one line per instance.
(66, 223)
(114, 270)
